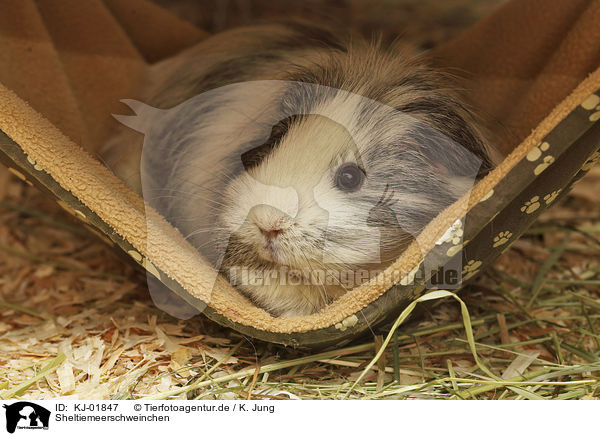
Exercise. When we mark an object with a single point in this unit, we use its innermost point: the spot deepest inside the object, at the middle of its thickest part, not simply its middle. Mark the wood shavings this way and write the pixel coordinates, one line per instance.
(110, 332)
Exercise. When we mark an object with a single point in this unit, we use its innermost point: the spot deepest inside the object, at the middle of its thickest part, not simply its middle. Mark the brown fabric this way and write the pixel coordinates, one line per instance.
(30, 66)
(74, 63)
(524, 59)
(100, 61)
(155, 32)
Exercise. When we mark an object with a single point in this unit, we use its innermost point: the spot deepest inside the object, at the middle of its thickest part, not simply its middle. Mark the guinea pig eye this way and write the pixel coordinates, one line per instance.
(349, 177)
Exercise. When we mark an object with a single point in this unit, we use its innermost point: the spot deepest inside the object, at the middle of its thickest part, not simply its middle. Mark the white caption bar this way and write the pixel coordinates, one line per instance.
(23, 417)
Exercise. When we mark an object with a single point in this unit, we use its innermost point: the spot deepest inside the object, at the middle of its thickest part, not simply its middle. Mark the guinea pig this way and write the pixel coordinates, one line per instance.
(291, 157)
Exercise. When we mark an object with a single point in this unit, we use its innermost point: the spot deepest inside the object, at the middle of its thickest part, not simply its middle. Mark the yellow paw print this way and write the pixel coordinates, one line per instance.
(351, 321)
(456, 248)
(135, 255)
(535, 154)
(76, 213)
(34, 163)
(502, 238)
(537, 151)
(149, 266)
(592, 103)
(454, 234)
(552, 196)
(532, 205)
(487, 196)
(471, 268)
(548, 160)
(591, 161)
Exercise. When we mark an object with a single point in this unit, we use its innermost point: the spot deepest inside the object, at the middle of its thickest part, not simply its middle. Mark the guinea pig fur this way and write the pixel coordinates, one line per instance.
(372, 144)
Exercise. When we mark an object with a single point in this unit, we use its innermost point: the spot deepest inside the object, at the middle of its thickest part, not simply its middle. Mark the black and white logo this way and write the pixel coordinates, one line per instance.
(24, 415)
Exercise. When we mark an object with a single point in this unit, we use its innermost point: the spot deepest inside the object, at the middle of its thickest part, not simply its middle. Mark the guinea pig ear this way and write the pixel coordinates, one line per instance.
(144, 117)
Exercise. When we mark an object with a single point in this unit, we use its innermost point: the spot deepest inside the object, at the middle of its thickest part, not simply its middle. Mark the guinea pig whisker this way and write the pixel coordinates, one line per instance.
(337, 279)
(320, 264)
(323, 294)
(165, 190)
(160, 197)
(209, 229)
(198, 232)
(350, 247)
(186, 218)
(214, 173)
(186, 193)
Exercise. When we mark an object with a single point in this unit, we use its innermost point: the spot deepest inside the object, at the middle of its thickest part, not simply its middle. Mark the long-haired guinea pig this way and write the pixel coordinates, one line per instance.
(293, 159)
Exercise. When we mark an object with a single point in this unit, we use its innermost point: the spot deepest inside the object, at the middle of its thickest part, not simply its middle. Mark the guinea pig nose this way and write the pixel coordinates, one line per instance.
(271, 233)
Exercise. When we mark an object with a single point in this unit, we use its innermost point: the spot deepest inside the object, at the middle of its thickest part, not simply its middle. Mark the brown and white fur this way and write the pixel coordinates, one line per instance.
(284, 209)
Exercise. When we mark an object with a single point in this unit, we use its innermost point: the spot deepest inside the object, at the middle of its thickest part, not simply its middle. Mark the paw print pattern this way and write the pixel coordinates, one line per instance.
(502, 238)
(453, 234)
(538, 153)
(487, 196)
(588, 165)
(455, 249)
(149, 266)
(34, 164)
(351, 321)
(592, 103)
(532, 205)
(552, 196)
(471, 268)
(548, 160)
(76, 213)
(135, 255)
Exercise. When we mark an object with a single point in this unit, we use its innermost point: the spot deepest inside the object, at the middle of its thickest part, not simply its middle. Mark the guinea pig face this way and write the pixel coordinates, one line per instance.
(274, 214)
(310, 203)
(343, 196)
